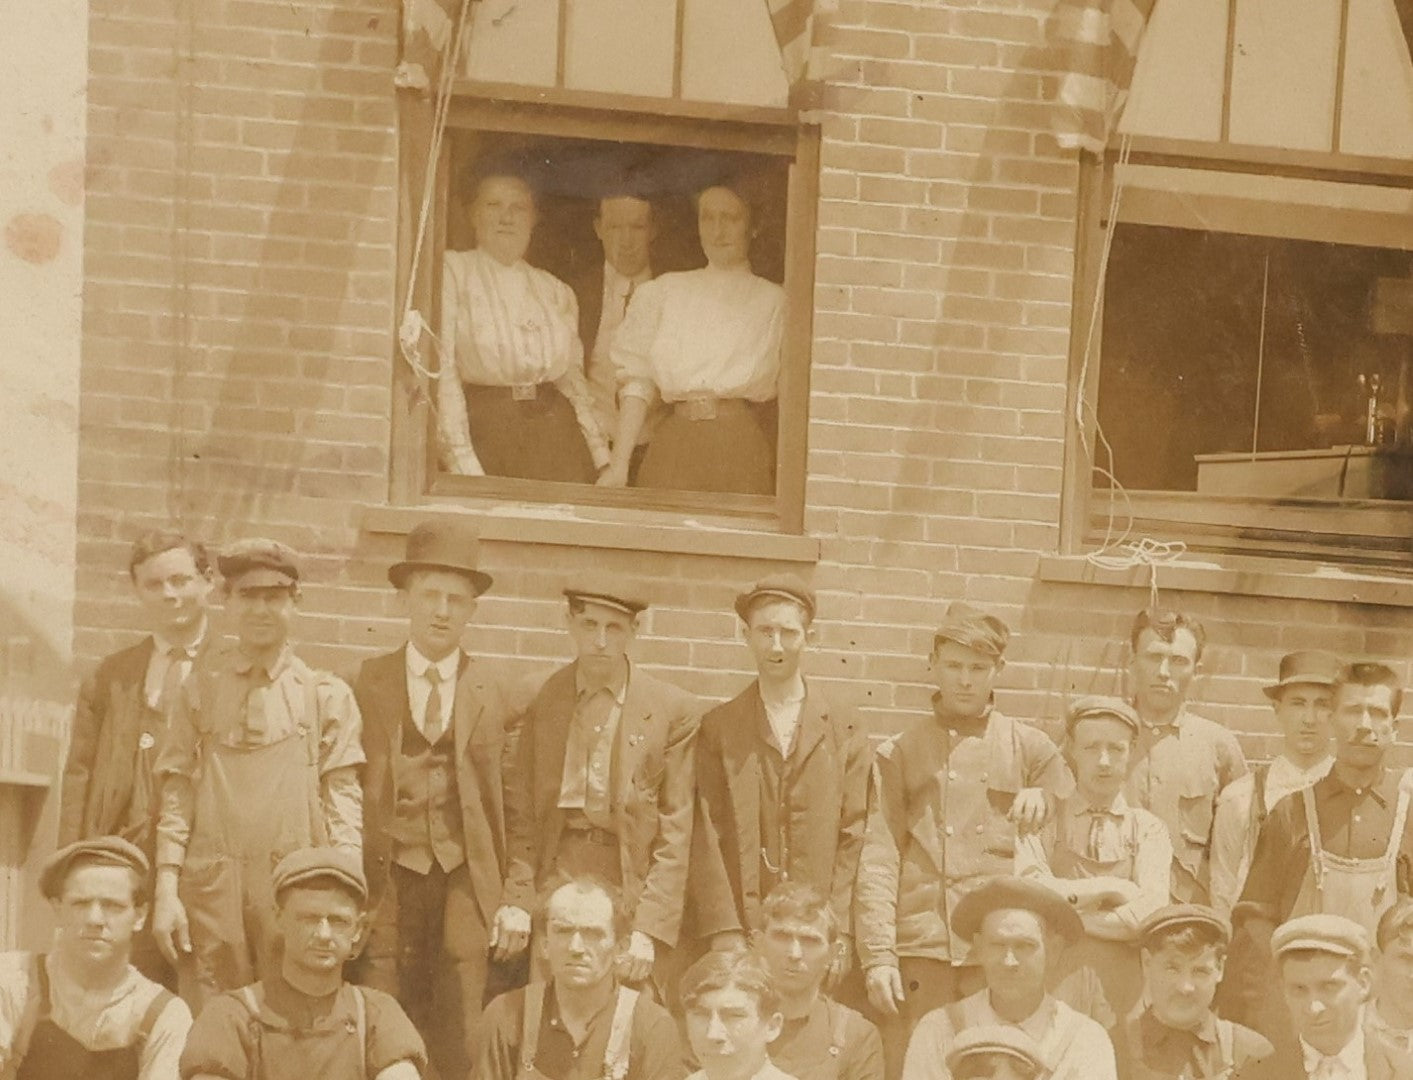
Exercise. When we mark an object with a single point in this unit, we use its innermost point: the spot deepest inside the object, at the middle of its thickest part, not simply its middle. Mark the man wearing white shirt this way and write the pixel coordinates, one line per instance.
(446, 891)
(1303, 696)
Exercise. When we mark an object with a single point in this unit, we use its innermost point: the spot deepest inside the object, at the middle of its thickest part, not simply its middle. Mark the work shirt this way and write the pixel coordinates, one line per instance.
(1234, 838)
(830, 1042)
(507, 326)
(1348, 1064)
(1178, 771)
(239, 703)
(587, 782)
(1146, 1045)
(1355, 823)
(299, 1037)
(654, 1045)
(1401, 1039)
(767, 1072)
(1073, 1046)
(708, 331)
(168, 668)
(106, 1023)
(937, 827)
(419, 687)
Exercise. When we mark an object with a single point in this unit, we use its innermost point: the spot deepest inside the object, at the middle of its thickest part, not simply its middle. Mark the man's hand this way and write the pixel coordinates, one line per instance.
(510, 932)
(885, 988)
(1029, 810)
(169, 921)
(841, 962)
(637, 960)
(728, 941)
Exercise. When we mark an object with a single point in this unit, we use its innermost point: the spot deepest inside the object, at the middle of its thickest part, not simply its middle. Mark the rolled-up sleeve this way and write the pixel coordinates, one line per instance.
(880, 861)
(340, 755)
(631, 353)
(1152, 871)
(161, 1053)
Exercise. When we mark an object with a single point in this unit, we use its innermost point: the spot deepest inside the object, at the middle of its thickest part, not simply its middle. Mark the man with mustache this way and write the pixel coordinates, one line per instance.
(581, 1024)
(1182, 760)
(82, 1010)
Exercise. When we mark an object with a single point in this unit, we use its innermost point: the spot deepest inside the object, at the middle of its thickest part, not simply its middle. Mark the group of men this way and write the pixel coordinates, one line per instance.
(746, 889)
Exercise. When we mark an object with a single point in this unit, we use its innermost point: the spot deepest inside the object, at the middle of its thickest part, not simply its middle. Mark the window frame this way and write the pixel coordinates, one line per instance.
(1348, 530)
(415, 477)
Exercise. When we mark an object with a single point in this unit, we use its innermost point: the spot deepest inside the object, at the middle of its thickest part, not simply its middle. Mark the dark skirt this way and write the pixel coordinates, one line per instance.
(733, 452)
(538, 439)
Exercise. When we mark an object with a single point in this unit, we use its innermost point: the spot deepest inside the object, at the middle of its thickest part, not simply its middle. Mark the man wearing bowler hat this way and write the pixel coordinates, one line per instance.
(1303, 696)
(82, 1010)
(448, 896)
(1016, 929)
(260, 758)
(782, 779)
(605, 756)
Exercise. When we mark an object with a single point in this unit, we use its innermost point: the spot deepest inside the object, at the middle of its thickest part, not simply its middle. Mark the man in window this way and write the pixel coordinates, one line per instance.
(782, 775)
(511, 395)
(82, 1010)
(110, 786)
(1016, 928)
(626, 227)
(821, 1038)
(946, 799)
(448, 895)
(260, 758)
(1183, 761)
(1302, 696)
(582, 1024)
(604, 756)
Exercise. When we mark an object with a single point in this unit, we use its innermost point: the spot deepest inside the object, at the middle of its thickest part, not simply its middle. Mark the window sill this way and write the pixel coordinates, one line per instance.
(1234, 575)
(588, 527)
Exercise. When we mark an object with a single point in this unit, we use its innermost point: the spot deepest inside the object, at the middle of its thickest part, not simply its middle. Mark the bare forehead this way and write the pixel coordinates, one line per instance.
(1183, 642)
(92, 879)
(572, 906)
(1003, 924)
(777, 612)
(503, 187)
(620, 209)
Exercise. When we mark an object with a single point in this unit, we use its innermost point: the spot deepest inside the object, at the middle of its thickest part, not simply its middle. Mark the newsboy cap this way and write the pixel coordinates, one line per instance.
(777, 587)
(973, 628)
(258, 562)
(1308, 666)
(107, 850)
(597, 588)
(1333, 934)
(1001, 1039)
(330, 864)
(1013, 893)
(444, 544)
(1096, 705)
(1177, 916)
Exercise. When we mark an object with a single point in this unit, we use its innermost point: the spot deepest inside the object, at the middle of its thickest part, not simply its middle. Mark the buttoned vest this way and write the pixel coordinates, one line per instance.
(426, 826)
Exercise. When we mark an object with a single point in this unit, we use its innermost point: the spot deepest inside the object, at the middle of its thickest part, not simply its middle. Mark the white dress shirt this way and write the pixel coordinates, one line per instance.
(1348, 1064)
(603, 376)
(419, 687)
(164, 656)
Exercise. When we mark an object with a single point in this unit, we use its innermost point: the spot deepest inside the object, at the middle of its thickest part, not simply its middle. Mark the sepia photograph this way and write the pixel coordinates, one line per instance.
(706, 540)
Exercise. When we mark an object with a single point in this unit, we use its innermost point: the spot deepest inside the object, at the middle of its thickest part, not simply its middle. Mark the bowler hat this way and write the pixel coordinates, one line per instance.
(777, 587)
(321, 864)
(108, 850)
(1311, 666)
(442, 544)
(1003, 893)
(258, 562)
(972, 628)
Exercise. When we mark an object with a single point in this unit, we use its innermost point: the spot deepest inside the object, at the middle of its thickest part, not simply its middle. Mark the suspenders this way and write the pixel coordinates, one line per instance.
(615, 1055)
(251, 1000)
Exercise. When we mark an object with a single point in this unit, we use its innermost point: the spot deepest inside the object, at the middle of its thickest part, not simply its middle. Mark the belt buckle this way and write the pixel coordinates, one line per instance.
(701, 406)
(524, 391)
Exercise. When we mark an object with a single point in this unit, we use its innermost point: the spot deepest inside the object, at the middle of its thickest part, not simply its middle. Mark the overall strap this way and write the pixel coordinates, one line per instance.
(615, 1054)
(1226, 1043)
(1400, 819)
(163, 998)
(530, 1024)
(313, 734)
(360, 1028)
(1312, 827)
(838, 1039)
(1259, 776)
(251, 1001)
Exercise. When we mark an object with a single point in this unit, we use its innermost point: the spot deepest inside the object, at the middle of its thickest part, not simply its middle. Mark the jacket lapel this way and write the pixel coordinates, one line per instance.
(468, 705)
(551, 734)
(743, 777)
(813, 723)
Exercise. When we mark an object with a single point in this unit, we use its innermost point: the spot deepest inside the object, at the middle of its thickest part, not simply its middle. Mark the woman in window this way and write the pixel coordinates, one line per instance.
(512, 399)
(706, 342)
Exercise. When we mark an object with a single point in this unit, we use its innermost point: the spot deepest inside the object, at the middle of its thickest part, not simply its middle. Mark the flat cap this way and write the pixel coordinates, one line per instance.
(994, 1039)
(321, 864)
(777, 587)
(107, 850)
(1095, 705)
(1333, 934)
(1308, 666)
(973, 628)
(258, 562)
(1013, 893)
(595, 588)
(444, 544)
(1176, 916)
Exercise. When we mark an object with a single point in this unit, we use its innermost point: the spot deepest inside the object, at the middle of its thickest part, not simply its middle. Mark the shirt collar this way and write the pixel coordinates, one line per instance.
(1375, 790)
(617, 282)
(1286, 773)
(1079, 807)
(617, 685)
(245, 664)
(971, 725)
(1036, 1025)
(164, 646)
(1204, 1032)
(1351, 1058)
(447, 666)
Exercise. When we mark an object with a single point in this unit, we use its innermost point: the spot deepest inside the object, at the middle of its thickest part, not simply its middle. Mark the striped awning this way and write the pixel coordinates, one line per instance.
(1099, 40)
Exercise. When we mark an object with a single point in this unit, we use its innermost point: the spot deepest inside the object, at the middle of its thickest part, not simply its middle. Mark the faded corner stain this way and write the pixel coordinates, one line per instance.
(35, 238)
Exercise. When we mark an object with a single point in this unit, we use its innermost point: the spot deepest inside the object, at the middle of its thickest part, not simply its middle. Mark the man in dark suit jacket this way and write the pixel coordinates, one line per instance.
(448, 894)
(605, 751)
(109, 788)
(782, 782)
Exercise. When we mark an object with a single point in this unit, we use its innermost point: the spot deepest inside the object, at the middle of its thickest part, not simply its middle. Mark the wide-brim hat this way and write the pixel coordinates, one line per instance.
(444, 544)
(1013, 893)
(104, 850)
(1314, 667)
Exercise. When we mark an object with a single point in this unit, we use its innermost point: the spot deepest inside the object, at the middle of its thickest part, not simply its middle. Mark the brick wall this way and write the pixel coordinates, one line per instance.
(238, 340)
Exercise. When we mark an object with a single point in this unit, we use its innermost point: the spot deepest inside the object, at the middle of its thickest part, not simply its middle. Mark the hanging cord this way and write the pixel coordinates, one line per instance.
(182, 137)
(413, 326)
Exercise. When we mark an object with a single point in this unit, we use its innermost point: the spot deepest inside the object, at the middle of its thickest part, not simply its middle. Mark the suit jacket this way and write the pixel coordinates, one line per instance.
(1382, 1061)
(652, 774)
(500, 872)
(588, 289)
(827, 804)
